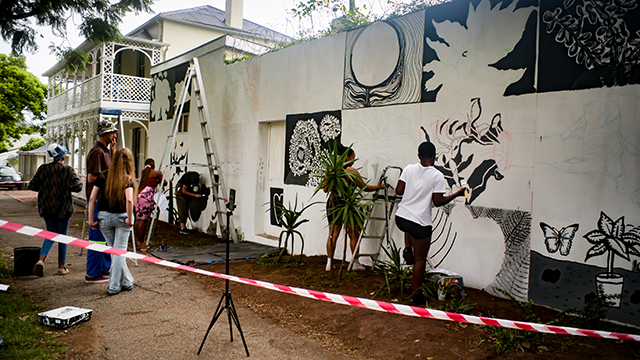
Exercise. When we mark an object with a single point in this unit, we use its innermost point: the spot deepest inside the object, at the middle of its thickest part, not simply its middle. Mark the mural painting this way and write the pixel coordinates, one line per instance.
(165, 90)
(394, 77)
(305, 135)
(532, 104)
(562, 284)
(468, 54)
(589, 44)
(453, 135)
(276, 196)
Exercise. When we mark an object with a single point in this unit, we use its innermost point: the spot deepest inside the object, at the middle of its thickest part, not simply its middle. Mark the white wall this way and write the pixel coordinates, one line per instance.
(539, 151)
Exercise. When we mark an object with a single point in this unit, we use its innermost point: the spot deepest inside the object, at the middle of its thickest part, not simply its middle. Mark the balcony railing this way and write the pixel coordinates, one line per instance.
(118, 88)
(125, 88)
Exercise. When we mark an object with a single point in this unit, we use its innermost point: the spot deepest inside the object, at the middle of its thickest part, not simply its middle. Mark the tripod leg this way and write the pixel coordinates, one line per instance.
(234, 316)
(216, 315)
(228, 307)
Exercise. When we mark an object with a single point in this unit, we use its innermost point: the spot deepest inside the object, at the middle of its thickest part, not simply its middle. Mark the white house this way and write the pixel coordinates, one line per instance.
(117, 85)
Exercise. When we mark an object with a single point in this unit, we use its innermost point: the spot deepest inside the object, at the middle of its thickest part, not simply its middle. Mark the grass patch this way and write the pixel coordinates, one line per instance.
(23, 336)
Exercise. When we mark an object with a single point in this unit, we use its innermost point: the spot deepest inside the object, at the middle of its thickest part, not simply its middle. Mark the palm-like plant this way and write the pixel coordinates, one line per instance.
(612, 238)
(289, 219)
(341, 184)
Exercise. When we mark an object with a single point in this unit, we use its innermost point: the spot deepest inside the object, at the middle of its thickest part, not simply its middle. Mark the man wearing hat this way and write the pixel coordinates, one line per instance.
(98, 160)
(54, 183)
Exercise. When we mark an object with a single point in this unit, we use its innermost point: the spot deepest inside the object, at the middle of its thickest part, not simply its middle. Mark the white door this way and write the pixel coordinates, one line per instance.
(275, 171)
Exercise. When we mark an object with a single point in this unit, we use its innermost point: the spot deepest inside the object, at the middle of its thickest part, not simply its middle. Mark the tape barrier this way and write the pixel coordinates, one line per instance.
(324, 296)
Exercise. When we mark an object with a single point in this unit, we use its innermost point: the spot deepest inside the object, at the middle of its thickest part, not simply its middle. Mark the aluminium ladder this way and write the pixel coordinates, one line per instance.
(366, 233)
(218, 188)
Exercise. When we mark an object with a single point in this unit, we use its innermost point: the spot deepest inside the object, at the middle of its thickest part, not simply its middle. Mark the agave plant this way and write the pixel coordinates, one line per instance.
(289, 219)
(339, 183)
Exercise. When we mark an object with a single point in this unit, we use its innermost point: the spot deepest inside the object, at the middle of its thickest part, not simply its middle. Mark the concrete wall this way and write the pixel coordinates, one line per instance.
(544, 129)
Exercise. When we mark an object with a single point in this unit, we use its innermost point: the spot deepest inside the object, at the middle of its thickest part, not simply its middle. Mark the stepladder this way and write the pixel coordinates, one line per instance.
(375, 228)
(194, 86)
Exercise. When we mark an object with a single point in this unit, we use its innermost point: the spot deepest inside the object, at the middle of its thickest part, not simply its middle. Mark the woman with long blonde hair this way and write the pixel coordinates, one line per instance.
(116, 188)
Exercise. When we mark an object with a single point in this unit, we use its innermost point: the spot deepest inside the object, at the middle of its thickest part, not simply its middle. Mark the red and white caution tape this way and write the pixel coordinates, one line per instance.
(324, 296)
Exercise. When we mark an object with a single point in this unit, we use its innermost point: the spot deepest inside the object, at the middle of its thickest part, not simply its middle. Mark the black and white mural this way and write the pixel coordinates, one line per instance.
(165, 90)
(469, 54)
(393, 78)
(561, 283)
(516, 229)
(305, 135)
(461, 143)
(277, 196)
(588, 44)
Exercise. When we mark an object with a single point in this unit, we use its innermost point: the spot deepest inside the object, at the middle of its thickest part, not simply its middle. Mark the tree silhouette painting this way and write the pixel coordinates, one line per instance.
(596, 35)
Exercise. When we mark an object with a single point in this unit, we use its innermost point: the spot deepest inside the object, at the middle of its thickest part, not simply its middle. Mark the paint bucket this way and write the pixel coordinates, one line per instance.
(24, 259)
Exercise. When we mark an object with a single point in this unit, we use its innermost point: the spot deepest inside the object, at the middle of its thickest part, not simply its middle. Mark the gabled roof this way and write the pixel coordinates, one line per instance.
(208, 15)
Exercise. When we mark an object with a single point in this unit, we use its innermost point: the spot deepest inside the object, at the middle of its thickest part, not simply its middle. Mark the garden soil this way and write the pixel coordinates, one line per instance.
(167, 313)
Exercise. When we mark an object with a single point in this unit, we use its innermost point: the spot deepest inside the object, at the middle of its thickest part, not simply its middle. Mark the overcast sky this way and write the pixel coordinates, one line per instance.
(274, 14)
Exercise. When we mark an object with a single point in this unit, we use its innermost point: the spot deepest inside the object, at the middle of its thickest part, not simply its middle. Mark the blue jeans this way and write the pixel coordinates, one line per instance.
(97, 262)
(59, 226)
(116, 232)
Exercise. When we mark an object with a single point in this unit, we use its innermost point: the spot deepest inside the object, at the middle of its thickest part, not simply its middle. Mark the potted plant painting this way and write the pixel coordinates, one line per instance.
(613, 239)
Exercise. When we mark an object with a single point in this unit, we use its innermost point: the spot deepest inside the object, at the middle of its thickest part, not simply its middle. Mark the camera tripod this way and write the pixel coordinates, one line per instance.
(226, 295)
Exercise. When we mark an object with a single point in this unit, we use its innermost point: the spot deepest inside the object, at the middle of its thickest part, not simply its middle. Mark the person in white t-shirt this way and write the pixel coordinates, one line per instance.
(420, 185)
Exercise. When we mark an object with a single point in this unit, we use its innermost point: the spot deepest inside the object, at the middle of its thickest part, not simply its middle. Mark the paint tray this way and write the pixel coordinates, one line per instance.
(64, 317)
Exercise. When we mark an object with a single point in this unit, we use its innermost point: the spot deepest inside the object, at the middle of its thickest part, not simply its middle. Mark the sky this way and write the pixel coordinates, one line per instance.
(274, 14)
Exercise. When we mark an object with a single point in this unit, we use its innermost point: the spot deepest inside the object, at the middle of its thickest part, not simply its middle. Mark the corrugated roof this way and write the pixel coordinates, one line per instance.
(211, 16)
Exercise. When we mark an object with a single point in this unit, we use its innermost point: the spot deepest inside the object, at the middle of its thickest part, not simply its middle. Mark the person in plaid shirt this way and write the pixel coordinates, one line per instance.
(54, 183)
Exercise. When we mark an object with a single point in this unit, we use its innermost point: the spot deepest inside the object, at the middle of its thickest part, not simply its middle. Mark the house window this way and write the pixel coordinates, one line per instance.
(183, 125)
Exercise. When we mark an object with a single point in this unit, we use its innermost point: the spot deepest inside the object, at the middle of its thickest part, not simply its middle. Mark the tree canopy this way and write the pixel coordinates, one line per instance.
(100, 21)
(21, 94)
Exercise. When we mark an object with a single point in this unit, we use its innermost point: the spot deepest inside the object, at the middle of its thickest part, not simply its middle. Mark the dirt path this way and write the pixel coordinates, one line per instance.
(164, 317)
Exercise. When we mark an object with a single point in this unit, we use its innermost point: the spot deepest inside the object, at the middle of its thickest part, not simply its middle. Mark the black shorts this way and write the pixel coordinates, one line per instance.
(417, 231)
(330, 214)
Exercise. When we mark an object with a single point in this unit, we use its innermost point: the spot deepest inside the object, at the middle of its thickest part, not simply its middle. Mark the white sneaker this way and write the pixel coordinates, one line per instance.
(328, 267)
(357, 266)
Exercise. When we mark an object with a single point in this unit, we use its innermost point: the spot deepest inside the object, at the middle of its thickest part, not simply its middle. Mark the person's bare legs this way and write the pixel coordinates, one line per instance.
(420, 252)
(334, 231)
(139, 228)
(353, 238)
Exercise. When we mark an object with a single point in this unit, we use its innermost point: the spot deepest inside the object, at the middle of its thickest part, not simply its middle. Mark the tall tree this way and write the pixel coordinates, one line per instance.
(22, 95)
(100, 20)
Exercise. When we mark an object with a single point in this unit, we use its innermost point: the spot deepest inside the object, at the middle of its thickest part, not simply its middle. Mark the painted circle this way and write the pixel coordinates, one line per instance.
(375, 54)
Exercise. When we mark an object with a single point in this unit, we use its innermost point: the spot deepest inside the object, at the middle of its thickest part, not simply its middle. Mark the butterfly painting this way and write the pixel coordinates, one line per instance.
(559, 240)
